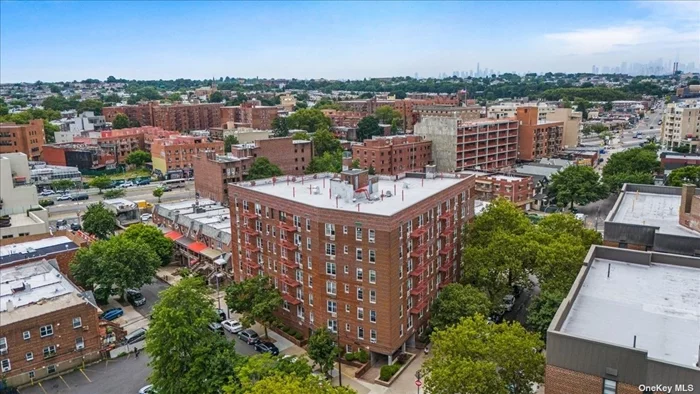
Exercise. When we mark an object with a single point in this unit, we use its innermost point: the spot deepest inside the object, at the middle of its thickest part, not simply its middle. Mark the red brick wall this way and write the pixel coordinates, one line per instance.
(25, 138)
(391, 157)
(563, 381)
(291, 158)
(54, 155)
(212, 177)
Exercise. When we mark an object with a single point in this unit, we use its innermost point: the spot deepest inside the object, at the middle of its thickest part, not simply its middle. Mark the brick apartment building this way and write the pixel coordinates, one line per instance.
(393, 155)
(81, 155)
(484, 144)
(630, 320)
(215, 172)
(538, 139)
(179, 117)
(363, 256)
(248, 115)
(467, 113)
(47, 324)
(175, 153)
(24, 138)
(343, 118)
(517, 189)
(406, 107)
(673, 160)
(291, 156)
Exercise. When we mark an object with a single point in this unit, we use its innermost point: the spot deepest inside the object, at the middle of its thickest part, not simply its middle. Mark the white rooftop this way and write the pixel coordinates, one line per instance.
(651, 209)
(6, 250)
(317, 192)
(187, 204)
(120, 201)
(658, 303)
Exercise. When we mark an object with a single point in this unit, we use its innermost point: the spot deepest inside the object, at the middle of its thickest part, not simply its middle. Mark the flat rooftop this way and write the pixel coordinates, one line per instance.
(35, 249)
(212, 214)
(651, 209)
(658, 303)
(317, 192)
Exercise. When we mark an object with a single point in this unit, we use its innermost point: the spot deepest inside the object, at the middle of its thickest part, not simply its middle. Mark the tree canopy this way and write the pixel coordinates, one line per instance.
(99, 221)
(542, 310)
(138, 158)
(455, 302)
(216, 97)
(388, 115)
(577, 185)
(323, 350)
(229, 141)
(635, 165)
(262, 168)
(120, 121)
(290, 384)
(62, 184)
(368, 127)
(114, 193)
(683, 175)
(325, 141)
(158, 193)
(259, 367)
(280, 126)
(328, 162)
(101, 182)
(256, 299)
(477, 357)
(309, 119)
(154, 238)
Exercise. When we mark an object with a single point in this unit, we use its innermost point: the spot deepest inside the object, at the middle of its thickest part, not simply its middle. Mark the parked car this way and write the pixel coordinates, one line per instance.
(75, 227)
(267, 347)
(147, 390)
(135, 297)
(47, 192)
(166, 188)
(137, 335)
(508, 302)
(222, 314)
(232, 326)
(126, 184)
(141, 182)
(146, 217)
(112, 314)
(249, 336)
(216, 327)
(79, 196)
(61, 223)
(63, 197)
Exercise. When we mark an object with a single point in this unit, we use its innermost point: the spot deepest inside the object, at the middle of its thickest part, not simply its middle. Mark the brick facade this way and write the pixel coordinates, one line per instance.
(215, 173)
(177, 152)
(394, 155)
(24, 138)
(537, 140)
(179, 117)
(291, 156)
(518, 190)
(563, 381)
(248, 115)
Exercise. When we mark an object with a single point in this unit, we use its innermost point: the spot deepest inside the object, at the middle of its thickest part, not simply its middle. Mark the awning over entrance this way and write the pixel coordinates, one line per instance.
(196, 247)
(183, 241)
(211, 253)
(174, 235)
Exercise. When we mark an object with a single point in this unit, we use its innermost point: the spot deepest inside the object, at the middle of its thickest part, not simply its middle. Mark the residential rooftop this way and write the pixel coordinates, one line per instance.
(35, 249)
(652, 300)
(214, 217)
(652, 209)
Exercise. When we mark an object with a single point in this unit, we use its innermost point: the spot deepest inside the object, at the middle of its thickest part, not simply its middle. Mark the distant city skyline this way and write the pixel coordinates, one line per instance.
(339, 40)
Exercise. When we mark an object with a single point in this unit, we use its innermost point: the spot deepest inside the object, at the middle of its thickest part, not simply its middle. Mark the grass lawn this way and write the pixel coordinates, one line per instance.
(140, 172)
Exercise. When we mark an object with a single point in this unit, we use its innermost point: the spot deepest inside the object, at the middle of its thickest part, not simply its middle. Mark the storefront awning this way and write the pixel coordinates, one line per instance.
(196, 247)
(174, 235)
(211, 253)
(183, 241)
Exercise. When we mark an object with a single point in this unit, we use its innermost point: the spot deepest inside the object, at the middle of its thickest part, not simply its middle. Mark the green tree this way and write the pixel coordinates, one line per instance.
(99, 221)
(480, 358)
(329, 162)
(50, 131)
(302, 135)
(229, 141)
(154, 238)
(62, 184)
(216, 97)
(456, 302)
(101, 182)
(114, 193)
(158, 193)
(300, 105)
(542, 310)
(389, 115)
(355, 163)
(681, 149)
(325, 141)
(93, 105)
(596, 128)
(121, 121)
(309, 119)
(291, 384)
(323, 350)
(371, 170)
(256, 299)
(577, 184)
(368, 127)
(280, 127)
(684, 175)
(262, 168)
(112, 99)
(326, 103)
(608, 106)
(262, 366)
(115, 265)
(138, 158)
(630, 166)
(187, 357)
(175, 97)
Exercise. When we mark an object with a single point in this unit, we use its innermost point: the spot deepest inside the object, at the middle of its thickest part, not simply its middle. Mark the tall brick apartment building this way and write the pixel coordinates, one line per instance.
(467, 113)
(176, 153)
(215, 172)
(484, 144)
(179, 117)
(24, 138)
(47, 325)
(517, 189)
(393, 155)
(363, 256)
(406, 107)
(538, 139)
(290, 155)
(248, 115)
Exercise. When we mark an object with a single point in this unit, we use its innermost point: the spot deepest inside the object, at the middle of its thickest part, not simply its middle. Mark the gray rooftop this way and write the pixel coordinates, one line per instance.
(652, 209)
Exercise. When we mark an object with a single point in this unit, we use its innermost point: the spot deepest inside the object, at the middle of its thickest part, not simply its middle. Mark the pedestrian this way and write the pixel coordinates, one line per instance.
(137, 352)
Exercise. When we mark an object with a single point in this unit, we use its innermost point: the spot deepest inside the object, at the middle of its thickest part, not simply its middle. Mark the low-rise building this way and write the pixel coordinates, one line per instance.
(244, 135)
(536, 138)
(248, 115)
(393, 155)
(673, 160)
(23, 138)
(126, 211)
(179, 117)
(290, 155)
(215, 172)
(60, 245)
(468, 113)
(175, 153)
(43, 175)
(628, 325)
(515, 188)
(20, 212)
(47, 324)
(84, 156)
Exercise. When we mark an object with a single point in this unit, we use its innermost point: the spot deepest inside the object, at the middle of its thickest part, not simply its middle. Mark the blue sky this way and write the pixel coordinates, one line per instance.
(54, 41)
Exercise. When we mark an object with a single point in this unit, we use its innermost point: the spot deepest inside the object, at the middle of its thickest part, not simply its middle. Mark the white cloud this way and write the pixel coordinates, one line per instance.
(609, 39)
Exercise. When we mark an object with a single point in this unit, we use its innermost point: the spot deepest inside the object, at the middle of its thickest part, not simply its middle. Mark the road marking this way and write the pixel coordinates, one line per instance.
(86, 377)
(42, 388)
(64, 381)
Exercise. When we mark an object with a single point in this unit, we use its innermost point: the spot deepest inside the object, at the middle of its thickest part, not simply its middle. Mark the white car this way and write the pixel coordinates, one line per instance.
(47, 192)
(232, 326)
(147, 389)
(146, 217)
(64, 197)
(126, 184)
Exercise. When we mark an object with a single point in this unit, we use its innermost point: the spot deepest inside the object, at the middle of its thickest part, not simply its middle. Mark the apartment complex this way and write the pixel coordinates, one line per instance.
(23, 138)
(363, 256)
(244, 135)
(464, 114)
(179, 117)
(406, 107)
(343, 118)
(517, 189)
(484, 144)
(48, 325)
(571, 120)
(20, 212)
(83, 156)
(290, 155)
(628, 324)
(393, 155)
(248, 115)
(215, 172)
(536, 138)
(176, 152)
(681, 125)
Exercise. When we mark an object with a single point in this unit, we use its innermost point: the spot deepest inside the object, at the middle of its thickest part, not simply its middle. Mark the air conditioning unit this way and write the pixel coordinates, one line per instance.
(334, 314)
(332, 257)
(3, 351)
(80, 346)
(331, 237)
(372, 341)
(86, 328)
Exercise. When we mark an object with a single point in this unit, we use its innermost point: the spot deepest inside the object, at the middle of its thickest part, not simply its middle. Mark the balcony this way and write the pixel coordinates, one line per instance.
(249, 215)
(447, 231)
(289, 263)
(446, 265)
(419, 231)
(253, 248)
(420, 288)
(287, 227)
(251, 264)
(287, 245)
(250, 231)
(420, 306)
(445, 215)
(289, 281)
(419, 251)
(446, 249)
(290, 299)
(418, 269)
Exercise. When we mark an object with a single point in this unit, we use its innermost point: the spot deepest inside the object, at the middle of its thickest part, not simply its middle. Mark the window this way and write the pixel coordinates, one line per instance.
(372, 276)
(373, 296)
(6, 365)
(45, 331)
(373, 336)
(331, 306)
(609, 386)
(360, 333)
(345, 270)
(330, 229)
(330, 269)
(345, 249)
(345, 230)
(285, 305)
(372, 256)
(360, 294)
(358, 274)
(311, 282)
(77, 322)
(311, 300)
(308, 224)
(360, 313)
(347, 308)
(330, 287)
(308, 243)
(26, 335)
(358, 254)
(347, 288)
(79, 343)
(401, 330)
(3, 345)
(333, 325)
(49, 351)
(330, 249)
(309, 263)
(51, 369)
(370, 236)
(358, 234)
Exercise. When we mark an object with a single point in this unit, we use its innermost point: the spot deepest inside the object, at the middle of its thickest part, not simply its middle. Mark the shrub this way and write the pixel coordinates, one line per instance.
(349, 356)
(362, 356)
(388, 371)
(403, 358)
(298, 336)
(46, 202)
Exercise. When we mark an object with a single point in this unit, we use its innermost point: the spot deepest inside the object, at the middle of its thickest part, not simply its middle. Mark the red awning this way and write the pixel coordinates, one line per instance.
(173, 235)
(197, 247)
